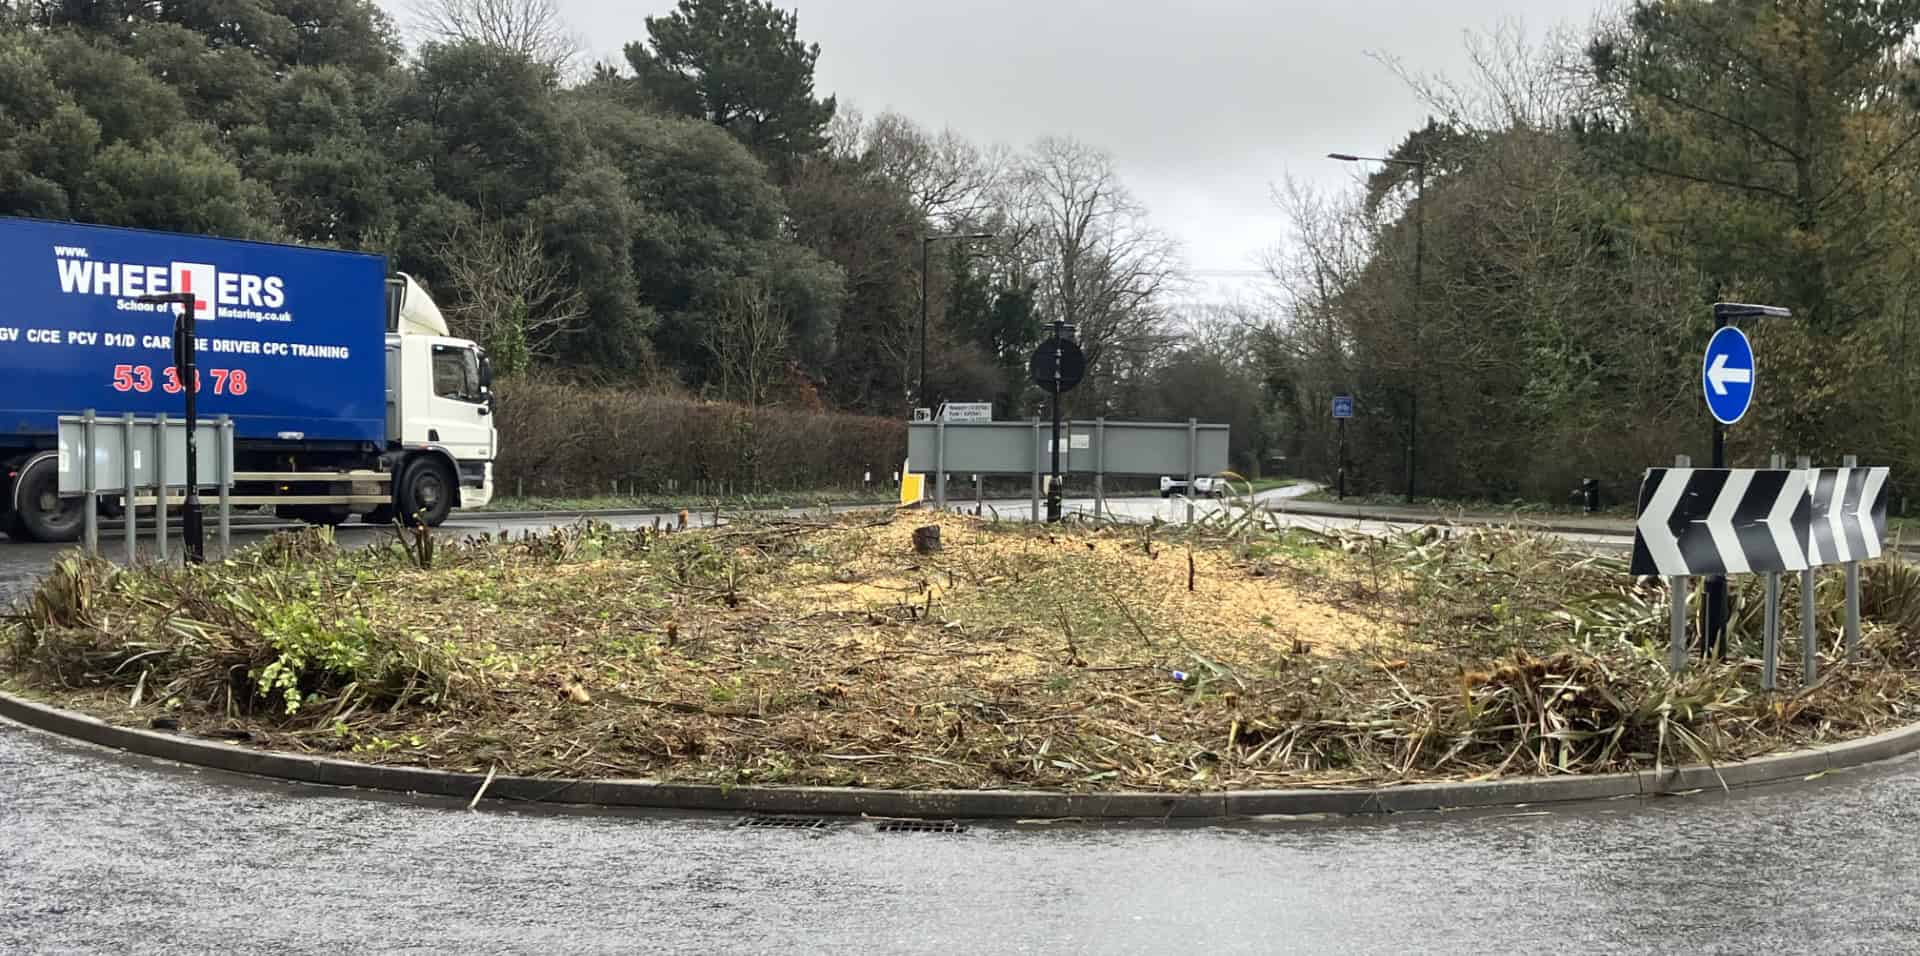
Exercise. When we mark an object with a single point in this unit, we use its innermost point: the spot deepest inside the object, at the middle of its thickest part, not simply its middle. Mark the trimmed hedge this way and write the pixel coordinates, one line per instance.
(574, 440)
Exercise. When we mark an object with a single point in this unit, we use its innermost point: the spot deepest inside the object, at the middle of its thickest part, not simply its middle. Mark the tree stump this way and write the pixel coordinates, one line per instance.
(926, 540)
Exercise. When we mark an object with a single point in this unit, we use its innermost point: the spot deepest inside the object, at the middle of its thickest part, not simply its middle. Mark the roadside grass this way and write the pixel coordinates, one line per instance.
(826, 651)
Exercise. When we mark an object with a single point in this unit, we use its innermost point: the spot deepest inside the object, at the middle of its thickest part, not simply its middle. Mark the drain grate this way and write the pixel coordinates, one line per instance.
(921, 826)
(785, 823)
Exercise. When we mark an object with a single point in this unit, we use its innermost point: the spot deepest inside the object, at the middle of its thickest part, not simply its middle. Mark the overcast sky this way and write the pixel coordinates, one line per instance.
(1204, 105)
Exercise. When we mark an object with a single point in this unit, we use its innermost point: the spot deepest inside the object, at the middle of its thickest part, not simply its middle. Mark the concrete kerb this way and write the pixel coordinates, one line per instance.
(961, 804)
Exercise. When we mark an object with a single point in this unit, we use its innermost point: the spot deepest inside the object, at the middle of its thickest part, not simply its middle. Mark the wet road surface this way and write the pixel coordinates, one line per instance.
(101, 852)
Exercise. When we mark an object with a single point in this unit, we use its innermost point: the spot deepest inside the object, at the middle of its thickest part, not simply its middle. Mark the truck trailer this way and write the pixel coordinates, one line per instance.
(346, 393)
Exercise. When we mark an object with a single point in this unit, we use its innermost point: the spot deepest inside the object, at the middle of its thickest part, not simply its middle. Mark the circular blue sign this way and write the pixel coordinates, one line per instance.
(1727, 374)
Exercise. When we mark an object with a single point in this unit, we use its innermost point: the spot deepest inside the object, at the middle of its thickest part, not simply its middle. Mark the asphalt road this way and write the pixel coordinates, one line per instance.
(101, 852)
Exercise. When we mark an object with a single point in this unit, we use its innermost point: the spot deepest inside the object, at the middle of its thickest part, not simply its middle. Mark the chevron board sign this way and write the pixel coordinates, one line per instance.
(1696, 521)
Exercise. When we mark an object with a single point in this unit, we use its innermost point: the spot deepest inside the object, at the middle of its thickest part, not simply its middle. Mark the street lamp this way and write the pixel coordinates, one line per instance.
(926, 242)
(1419, 167)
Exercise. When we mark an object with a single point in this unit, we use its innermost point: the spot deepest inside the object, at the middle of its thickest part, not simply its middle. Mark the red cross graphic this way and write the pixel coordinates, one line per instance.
(200, 305)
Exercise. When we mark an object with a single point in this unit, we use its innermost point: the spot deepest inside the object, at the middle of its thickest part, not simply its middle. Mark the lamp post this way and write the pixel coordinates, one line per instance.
(926, 244)
(1419, 167)
(191, 527)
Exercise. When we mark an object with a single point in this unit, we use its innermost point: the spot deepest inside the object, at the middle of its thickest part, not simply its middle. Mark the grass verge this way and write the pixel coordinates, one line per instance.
(787, 651)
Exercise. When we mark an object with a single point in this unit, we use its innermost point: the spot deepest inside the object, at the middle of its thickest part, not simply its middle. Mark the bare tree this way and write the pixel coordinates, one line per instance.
(532, 28)
(748, 339)
(950, 179)
(1096, 260)
(1515, 80)
(509, 296)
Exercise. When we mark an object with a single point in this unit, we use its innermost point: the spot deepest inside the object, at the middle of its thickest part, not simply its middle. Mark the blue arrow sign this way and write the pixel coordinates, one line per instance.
(1343, 406)
(1727, 375)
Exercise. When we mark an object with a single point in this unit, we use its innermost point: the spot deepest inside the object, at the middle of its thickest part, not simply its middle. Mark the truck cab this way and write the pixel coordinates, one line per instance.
(440, 404)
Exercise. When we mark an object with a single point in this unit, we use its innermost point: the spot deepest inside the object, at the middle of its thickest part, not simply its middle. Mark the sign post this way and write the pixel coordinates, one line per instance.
(1727, 374)
(192, 526)
(1057, 366)
(1726, 377)
(1342, 410)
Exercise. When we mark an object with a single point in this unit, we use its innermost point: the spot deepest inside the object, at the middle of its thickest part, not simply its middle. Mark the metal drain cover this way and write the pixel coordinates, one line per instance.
(785, 823)
(921, 826)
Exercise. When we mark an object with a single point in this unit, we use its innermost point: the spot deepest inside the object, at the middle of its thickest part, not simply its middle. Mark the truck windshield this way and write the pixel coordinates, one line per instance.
(456, 374)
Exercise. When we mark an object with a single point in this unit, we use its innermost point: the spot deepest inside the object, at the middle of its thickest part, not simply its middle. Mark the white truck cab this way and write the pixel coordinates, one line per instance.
(439, 409)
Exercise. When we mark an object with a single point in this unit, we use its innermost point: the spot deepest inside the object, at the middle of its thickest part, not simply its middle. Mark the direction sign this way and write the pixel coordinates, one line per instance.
(1343, 406)
(953, 412)
(1702, 521)
(1063, 356)
(1726, 375)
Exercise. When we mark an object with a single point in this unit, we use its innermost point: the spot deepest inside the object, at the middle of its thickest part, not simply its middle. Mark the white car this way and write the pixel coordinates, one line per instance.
(1202, 487)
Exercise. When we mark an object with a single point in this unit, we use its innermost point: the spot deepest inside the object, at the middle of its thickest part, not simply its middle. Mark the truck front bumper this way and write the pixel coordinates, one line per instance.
(476, 484)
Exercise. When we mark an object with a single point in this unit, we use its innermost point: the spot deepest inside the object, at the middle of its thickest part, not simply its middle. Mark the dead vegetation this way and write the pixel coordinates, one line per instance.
(829, 652)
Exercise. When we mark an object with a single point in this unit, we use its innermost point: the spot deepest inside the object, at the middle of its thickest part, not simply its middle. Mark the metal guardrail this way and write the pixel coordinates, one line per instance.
(125, 454)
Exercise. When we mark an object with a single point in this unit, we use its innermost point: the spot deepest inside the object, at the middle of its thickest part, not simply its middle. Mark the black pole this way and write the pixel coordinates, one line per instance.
(1343, 460)
(191, 527)
(1419, 247)
(1053, 491)
(920, 391)
(1714, 630)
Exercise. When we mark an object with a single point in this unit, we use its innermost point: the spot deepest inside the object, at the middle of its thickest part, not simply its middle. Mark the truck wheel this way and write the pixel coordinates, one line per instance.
(42, 513)
(380, 515)
(426, 492)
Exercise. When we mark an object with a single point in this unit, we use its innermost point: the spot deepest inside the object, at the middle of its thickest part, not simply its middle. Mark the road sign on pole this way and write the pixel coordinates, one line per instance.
(1343, 406)
(1726, 375)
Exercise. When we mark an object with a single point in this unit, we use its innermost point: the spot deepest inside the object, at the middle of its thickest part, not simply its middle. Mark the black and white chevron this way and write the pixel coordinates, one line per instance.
(1849, 514)
(1721, 521)
(1696, 521)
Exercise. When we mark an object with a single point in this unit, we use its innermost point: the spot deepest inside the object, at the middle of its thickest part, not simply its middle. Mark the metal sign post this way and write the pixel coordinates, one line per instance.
(1770, 641)
(1727, 373)
(1677, 589)
(1343, 409)
(1727, 379)
(1809, 650)
(1057, 366)
(184, 347)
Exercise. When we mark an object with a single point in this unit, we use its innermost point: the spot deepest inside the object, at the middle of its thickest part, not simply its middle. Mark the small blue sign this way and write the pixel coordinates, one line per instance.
(1343, 406)
(1726, 375)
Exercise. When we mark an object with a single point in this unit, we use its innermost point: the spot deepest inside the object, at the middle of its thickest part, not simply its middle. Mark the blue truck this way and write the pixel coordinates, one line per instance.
(347, 393)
